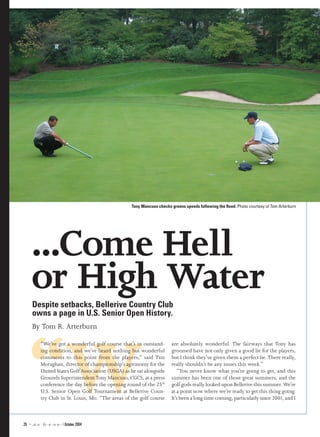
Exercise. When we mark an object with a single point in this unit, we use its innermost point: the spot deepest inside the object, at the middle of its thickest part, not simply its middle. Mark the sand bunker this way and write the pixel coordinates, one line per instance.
(215, 95)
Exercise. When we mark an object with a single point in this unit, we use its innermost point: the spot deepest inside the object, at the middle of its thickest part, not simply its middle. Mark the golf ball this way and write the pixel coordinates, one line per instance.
(236, 162)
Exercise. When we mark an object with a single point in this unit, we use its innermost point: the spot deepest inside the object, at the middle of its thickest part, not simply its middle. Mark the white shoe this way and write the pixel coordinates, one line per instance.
(267, 161)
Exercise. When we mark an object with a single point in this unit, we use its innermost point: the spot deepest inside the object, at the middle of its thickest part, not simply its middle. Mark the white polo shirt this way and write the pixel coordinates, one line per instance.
(264, 133)
(43, 130)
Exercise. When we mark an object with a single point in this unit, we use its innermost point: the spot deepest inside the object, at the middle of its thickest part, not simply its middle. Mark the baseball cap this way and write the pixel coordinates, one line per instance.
(251, 115)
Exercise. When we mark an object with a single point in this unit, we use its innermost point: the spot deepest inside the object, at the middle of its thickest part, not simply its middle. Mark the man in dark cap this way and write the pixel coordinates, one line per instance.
(264, 142)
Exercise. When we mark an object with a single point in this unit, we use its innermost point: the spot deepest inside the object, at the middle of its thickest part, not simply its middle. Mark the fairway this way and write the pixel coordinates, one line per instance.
(151, 144)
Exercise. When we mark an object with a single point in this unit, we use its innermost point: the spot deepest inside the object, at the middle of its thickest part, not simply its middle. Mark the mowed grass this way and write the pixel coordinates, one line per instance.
(151, 144)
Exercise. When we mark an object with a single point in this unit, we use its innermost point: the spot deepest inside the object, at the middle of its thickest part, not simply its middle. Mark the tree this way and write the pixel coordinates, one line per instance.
(195, 19)
(300, 38)
(18, 23)
(34, 41)
(179, 35)
(191, 25)
(70, 26)
(220, 34)
(229, 42)
(97, 24)
(151, 27)
(118, 32)
(267, 26)
(19, 19)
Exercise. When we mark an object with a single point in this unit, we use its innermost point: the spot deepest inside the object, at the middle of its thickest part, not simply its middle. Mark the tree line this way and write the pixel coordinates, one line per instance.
(73, 37)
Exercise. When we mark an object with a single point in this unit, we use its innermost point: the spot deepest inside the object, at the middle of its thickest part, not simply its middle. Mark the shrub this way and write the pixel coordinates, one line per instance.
(309, 66)
(15, 64)
(114, 53)
(128, 52)
(179, 35)
(79, 56)
(253, 60)
(99, 55)
(199, 55)
(135, 52)
(179, 53)
(161, 54)
(32, 65)
(275, 61)
(316, 66)
(294, 63)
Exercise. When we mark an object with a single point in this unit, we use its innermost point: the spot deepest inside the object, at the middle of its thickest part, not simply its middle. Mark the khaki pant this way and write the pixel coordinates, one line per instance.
(263, 151)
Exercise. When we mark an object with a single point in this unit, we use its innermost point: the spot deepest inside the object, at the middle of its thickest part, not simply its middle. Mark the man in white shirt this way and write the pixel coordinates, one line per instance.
(264, 142)
(46, 139)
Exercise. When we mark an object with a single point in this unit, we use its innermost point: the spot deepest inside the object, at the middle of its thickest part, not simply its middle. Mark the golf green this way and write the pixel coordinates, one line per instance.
(151, 144)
